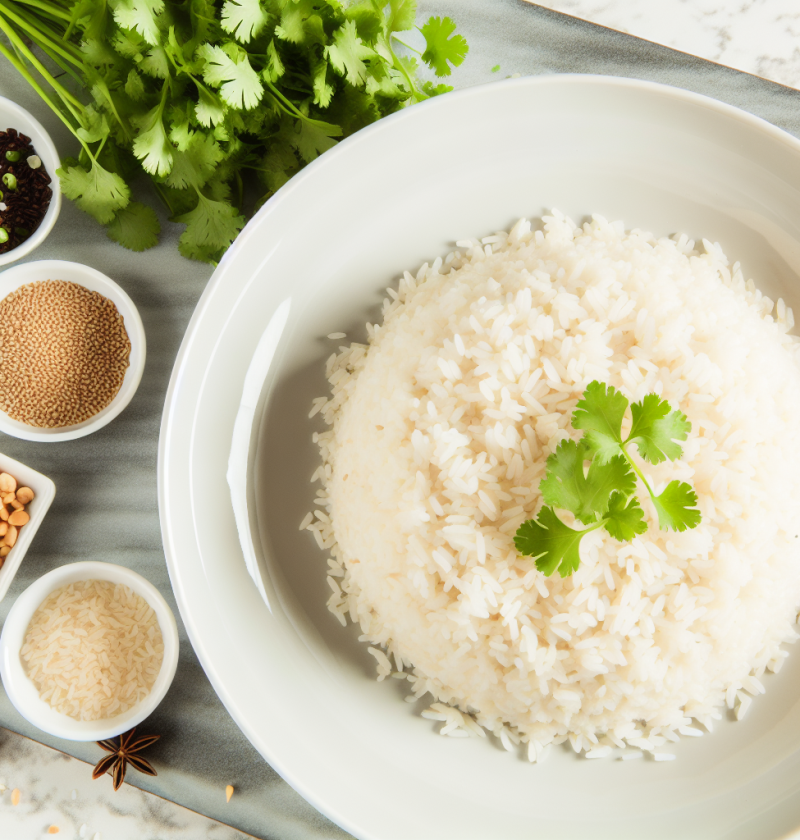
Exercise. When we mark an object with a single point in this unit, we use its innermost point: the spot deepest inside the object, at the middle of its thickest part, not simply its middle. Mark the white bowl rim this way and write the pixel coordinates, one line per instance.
(45, 489)
(19, 687)
(46, 144)
(30, 272)
(198, 631)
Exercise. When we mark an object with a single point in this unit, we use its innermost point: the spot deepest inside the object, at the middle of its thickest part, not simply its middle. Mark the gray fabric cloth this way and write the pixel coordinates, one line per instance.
(106, 506)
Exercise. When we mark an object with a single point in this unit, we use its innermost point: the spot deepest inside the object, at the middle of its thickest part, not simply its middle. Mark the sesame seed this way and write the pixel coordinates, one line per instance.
(63, 353)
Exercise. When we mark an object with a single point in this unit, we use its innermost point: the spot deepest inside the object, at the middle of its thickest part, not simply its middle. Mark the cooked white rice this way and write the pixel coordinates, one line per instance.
(93, 649)
(440, 428)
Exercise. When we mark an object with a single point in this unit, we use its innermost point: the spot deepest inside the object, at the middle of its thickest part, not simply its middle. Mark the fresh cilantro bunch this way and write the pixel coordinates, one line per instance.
(604, 495)
(204, 96)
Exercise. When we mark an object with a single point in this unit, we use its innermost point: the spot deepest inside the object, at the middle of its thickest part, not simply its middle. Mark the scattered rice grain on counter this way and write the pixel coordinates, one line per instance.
(93, 649)
(439, 432)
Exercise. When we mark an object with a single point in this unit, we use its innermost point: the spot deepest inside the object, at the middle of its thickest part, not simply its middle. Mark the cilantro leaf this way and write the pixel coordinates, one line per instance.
(244, 19)
(564, 483)
(180, 131)
(274, 67)
(194, 166)
(94, 125)
(229, 69)
(436, 90)
(208, 109)
(369, 21)
(676, 507)
(347, 54)
(401, 15)
(603, 480)
(656, 428)
(550, 542)
(311, 140)
(278, 166)
(97, 53)
(98, 192)
(134, 86)
(156, 63)
(142, 16)
(599, 414)
(587, 496)
(624, 517)
(323, 91)
(212, 225)
(91, 17)
(151, 145)
(294, 20)
(441, 48)
(135, 227)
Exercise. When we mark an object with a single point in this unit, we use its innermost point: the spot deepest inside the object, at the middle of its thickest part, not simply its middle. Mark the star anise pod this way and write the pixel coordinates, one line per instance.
(123, 754)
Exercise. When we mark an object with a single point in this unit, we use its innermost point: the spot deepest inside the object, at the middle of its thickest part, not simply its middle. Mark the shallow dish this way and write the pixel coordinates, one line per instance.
(301, 687)
(21, 690)
(45, 491)
(15, 116)
(32, 272)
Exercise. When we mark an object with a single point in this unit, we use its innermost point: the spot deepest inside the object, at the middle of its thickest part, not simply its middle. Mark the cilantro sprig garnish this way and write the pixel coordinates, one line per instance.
(604, 494)
(206, 96)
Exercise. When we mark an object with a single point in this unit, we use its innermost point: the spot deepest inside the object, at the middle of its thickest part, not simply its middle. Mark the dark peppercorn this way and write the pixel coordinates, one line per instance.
(26, 192)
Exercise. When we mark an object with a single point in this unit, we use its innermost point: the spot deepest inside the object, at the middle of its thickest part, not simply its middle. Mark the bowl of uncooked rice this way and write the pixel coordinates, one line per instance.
(88, 650)
(93, 649)
(437, 434)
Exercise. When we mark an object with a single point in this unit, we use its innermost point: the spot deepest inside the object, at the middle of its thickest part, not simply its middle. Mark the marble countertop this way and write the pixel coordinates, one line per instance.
(44, 792)
(756, 36)
(106, 507)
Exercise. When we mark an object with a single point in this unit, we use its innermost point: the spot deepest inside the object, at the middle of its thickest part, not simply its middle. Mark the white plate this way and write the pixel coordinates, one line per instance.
(398, 193)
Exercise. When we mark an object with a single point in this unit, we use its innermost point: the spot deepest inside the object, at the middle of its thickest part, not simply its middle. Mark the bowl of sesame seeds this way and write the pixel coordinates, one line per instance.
(72, 350)
(31, 170)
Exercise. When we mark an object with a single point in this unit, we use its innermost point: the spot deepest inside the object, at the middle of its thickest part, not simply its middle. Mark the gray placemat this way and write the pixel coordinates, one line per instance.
(106, 508)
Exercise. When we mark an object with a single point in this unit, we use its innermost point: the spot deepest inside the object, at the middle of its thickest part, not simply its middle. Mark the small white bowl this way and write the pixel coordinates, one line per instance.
(15, 116)
(45, 492)
(12, 278)
(24, 694)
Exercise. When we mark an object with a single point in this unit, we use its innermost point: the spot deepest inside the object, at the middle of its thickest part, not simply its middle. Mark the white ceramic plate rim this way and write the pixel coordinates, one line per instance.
(208, 646)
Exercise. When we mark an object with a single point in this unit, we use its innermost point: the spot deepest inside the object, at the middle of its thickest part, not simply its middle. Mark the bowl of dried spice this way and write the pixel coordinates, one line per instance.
(72, 350)
(30, 194)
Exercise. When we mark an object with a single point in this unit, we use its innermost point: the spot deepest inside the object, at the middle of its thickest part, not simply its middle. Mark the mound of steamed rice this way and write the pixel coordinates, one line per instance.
(439, 432)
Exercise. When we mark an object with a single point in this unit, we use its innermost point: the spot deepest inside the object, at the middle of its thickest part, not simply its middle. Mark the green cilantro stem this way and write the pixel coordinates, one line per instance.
(50, 10)
(72, 103)
(407, 46)
(636, 468)
(43, 39)
(17, 64)
(292, 110)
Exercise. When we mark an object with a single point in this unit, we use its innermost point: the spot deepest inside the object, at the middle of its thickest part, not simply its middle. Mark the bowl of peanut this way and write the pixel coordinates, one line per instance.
(25, 496)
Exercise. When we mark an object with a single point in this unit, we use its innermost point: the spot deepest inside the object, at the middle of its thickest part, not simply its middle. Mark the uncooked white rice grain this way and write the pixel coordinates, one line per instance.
(93, 649)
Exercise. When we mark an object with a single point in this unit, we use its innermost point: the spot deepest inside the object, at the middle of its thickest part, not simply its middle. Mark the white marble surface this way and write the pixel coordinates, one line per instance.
(757, 36)
(58, 797)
